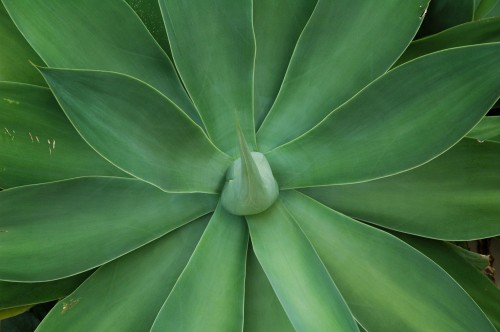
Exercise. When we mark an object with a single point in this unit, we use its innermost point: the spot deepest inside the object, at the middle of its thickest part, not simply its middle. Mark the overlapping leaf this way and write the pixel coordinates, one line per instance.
(381, 276)
(389, 127)
(47, 240)
(453, 197)
(139, 130)
(38, 143)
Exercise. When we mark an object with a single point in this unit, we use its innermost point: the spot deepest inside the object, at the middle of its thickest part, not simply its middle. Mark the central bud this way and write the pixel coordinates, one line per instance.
(250, 186)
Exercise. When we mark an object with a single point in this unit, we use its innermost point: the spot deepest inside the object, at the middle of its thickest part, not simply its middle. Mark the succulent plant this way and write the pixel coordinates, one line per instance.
(246, 165)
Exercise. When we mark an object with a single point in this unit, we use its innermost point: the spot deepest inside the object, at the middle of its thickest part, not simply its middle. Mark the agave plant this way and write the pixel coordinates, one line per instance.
(245, 165)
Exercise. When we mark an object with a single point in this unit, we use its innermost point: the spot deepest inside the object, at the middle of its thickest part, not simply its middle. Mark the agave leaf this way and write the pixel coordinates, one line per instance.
(139, 130)
(37, 141)
(388, 128)
(11, 312)
(88, 220)
(444, 14)
(214, 51)
(480, 288)
(381, 276)
(453, 197)
(150, 14)
(339, 52)
(277, 26)
(114, 39)
(297, 275)
(263, 310)
(216, 304)
(15, 294)
(16, 54)
(488, 129)
(477, 32)
(115, 298)
(484, 8)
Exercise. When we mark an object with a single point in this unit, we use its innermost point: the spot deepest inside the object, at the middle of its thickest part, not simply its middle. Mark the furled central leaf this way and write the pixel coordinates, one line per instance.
(250, 186)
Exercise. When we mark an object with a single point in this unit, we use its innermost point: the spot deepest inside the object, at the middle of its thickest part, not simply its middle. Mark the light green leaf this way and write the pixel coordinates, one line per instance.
(454, 197)
(11, 312)
(100, 35)
(444, 14)
(386, 283)
(209, 294)
(470, 33)
(402, 120)
(58, 229)
(126, 294)
(15, 294)
(214, 51)
(488, 129)
(277, 26)
(297, 275)
(150, 14)
(38, 143)
(482, 290)
(339, 52)
(16, 54)
(263, 311)
(139, 130)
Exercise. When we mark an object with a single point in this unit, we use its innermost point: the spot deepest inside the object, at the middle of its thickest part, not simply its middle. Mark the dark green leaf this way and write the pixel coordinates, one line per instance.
(487, 130)
(402, 120)
(453, 197)
(477, 32)
(485, 8)
(16, 294)
(55, 230)
(139, 130)
(386, 283)
(16, 54)
(444, 14)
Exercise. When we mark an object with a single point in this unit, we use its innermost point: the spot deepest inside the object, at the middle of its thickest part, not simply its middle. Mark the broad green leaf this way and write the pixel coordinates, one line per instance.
(126, 294)
(480, 262)
(139, 130)
(213, 48)
(150, 14)
(386, 283)
(484, 8)
(15, 294)
(444, 14)
(388, 127)
(16, 54)
(11, 312)
(263, 311)
(277, 26)
(55, 230)
(100, 35)
(339, 52)
(209, 294)
(297, 275)
(38, 143)
(477, 32)
(453, 197)
(482, 290)
(487, 130)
